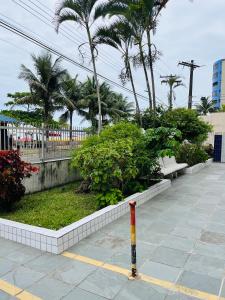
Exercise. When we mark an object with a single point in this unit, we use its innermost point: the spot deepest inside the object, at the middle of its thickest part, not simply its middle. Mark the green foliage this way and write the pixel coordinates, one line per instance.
(122, 154)
(193, 129)
(152, 119)
(209, 149)
(191, 154)
(111, 197)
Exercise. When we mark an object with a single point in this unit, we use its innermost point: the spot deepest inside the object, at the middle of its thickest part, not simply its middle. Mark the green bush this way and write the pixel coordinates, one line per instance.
(209, 150)
(122, 158)
(191, 154)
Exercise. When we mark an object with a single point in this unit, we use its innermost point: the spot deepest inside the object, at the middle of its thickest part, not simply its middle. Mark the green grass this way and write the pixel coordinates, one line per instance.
(54, 208)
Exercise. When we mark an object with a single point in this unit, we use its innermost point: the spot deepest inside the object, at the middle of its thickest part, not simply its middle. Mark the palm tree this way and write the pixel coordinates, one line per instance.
(206, 106)
(129, 13)
(173, 81)
(71, 95)
(116, 36)
(114, 106)
(20, 99)
(44, 84)
(81, 12)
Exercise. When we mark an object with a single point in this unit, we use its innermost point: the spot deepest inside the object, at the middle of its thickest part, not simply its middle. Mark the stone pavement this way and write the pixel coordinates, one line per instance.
(180, 239)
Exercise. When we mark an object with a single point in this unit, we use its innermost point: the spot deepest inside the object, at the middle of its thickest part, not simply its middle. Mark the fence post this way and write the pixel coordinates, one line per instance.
(133, 239)
(43, 142)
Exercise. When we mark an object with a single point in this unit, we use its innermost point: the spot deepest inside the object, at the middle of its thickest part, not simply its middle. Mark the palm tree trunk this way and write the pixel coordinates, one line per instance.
(151, 68)
(138, 112)
(71, 125)
(96, 79)
(146, 75)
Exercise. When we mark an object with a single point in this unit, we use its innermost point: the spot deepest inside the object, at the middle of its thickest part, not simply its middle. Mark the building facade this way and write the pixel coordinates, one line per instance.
(218, 85)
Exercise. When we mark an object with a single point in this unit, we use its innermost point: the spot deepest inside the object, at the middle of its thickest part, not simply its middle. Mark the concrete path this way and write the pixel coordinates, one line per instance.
(180, 251)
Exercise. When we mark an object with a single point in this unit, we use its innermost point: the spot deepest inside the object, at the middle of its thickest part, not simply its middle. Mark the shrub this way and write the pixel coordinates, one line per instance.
(209, 150)
(192, 128)
(12, 171)
(111, 197)
(191, 154)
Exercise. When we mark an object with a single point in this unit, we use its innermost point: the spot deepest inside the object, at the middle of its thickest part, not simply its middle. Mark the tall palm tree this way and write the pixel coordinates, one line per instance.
(44, 84)
(81, 12)
(71, 95)
(206, 106)
(116, 36)
(173, 81)
(129, 13)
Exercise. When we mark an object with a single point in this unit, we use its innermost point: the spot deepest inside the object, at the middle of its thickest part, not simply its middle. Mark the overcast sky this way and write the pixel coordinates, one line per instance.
(187, 30)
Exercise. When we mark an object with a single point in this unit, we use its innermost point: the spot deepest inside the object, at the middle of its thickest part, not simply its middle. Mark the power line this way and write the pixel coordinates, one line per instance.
(39, 43)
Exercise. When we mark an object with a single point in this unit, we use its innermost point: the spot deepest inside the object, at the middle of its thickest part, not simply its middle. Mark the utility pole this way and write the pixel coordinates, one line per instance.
(173, 81)
(192, 67)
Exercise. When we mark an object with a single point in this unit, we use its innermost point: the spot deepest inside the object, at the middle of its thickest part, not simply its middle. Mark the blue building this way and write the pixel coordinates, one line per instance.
(218, 85)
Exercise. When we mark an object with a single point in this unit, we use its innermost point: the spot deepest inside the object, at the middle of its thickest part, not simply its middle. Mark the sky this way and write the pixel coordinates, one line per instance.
(186, 30)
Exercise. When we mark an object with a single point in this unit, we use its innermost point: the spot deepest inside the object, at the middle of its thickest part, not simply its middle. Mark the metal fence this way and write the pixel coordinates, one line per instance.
(40, 143)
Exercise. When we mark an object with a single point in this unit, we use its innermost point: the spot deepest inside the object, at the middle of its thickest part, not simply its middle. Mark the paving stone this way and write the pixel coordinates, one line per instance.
(153, 238)
(8, 247)
(171, 257)
(205, 265)
(5, 296)
(160, 227)
(6, 266)
(104, 283)
(23, 255)
(160, 271)
(137, 290)
(179, 243)
(49, 288)
(215, 227)
(46, 263)
(200, 282)
(79, 294)
(187, 232)
(73, 272)
(213, 238)
(212, 250)
(23, 277)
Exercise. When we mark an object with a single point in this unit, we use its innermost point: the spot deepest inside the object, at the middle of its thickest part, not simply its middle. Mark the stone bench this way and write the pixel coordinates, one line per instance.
(169, 166)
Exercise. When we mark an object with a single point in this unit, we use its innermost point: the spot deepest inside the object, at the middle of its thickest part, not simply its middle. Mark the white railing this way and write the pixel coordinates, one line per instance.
(40, 143)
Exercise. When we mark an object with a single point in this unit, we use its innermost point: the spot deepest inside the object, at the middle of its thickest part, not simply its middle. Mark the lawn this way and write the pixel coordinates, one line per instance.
(54, 208)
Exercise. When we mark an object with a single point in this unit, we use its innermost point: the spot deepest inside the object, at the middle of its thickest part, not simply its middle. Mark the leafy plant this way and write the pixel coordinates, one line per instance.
(12, 171)
(111, 197)
(191, 154)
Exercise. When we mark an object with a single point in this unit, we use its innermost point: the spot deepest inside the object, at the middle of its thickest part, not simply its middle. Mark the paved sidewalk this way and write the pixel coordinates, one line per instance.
(181, 239)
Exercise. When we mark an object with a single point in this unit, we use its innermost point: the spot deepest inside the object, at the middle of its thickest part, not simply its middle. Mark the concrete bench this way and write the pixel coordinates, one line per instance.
(169, 166)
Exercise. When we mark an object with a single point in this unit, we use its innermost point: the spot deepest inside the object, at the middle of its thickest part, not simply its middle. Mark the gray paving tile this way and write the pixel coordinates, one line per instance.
(79, 294)
(23, 277)
(179, 297)
(8, 247)
(5, 296)
(73, 272)
(217, 251)
(213, 238)
(178, 243)
(6, 266)
(169, 256)
(136, 290)
(160, 271)
(49, 288)
(207, 265)
(23, 255)
(187, 232)
(104, 283)
(200, 282)
(46, 263)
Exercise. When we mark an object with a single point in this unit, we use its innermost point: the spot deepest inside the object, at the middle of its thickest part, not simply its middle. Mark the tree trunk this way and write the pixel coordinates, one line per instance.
(138, 112)
(96, 79)
(71, 125)
(151, 68)
(146, 75)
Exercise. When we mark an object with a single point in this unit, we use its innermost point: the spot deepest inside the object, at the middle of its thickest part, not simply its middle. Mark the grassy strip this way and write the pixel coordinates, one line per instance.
(54, 208)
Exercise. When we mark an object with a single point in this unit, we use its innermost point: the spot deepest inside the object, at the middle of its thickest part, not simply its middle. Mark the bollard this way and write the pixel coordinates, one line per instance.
(133, 239)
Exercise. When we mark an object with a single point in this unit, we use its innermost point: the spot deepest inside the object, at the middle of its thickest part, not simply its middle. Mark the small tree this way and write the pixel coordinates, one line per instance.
(206, 106)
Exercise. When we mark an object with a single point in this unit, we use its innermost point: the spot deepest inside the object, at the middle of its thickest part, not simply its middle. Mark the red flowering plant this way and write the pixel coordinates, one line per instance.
(12, 171)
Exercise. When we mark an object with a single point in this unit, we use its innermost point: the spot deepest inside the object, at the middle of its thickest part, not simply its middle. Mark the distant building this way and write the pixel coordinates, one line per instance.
(218, 88)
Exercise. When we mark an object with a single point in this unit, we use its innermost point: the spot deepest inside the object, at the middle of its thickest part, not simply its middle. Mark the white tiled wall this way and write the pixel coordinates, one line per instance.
(59, 241)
